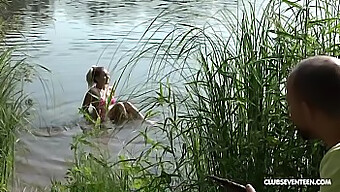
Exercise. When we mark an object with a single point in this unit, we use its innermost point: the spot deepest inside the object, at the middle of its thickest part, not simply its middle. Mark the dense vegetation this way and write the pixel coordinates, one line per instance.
(221, 100)
(14, 103)
(226, 113)
(13, 107)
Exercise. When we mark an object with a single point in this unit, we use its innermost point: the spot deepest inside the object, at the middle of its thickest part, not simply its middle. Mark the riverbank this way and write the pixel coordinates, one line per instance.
(222, 104)
(14, 103)
(228, 117)
(7, 115)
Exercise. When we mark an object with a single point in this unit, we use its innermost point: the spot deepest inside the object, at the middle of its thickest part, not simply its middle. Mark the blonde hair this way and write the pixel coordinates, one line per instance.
(90, 76)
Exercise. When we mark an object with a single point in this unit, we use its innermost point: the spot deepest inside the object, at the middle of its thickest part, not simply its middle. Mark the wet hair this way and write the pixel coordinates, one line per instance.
(91, 74)
(316, 81)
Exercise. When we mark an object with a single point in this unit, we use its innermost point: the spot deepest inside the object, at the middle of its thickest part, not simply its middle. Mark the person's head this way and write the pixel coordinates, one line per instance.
(97, 76)
(313, 95)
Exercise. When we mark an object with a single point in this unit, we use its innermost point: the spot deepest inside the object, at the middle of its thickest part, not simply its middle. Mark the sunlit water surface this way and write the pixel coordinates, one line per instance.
(67, 37)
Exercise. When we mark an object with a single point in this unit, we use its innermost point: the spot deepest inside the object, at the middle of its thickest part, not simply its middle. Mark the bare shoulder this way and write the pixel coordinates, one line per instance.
(94, 92)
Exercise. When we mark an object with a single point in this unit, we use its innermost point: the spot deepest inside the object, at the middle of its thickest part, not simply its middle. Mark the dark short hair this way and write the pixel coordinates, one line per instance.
(318, 84)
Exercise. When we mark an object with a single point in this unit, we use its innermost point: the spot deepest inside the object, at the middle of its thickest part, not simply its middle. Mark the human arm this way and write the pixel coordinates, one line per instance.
(231, 185)
(250, 188)
(86, 102)
(110, 94)
(91, 98)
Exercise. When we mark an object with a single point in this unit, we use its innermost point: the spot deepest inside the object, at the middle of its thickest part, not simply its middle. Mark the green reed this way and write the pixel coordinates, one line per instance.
(231, 116)
(91, 171)
(14, 105)
(221, 101)
(5, 18)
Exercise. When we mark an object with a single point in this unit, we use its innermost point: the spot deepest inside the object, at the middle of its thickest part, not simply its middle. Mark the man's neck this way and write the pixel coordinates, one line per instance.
(332, 139)
(330, 133)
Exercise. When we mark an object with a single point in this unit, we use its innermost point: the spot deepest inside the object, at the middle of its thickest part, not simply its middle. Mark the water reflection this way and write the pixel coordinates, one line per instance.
(30, 18)
(68, 36)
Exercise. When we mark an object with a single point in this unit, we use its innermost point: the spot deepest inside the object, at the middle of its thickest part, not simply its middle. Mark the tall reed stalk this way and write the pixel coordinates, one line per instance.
(226, 113)
(231, 116)
(14, 104)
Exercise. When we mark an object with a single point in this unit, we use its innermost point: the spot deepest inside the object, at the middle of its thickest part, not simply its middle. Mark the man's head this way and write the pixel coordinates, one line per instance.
(313, 95)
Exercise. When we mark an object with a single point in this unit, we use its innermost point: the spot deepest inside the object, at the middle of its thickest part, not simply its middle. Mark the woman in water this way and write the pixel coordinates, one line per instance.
(97, 96)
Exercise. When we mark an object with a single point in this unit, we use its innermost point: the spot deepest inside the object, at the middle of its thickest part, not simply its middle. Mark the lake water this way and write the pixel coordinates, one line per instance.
(67, 37)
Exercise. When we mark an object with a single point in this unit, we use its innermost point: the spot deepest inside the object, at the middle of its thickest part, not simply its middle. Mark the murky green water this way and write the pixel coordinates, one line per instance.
(68, 36)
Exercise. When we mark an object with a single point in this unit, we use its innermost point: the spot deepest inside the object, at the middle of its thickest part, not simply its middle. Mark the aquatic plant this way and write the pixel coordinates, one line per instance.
(226, 113)
(14, 105)
(5, 18)
(91, 171)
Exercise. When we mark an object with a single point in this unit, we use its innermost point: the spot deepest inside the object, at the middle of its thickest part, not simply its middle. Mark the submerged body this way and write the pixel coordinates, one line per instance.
(100, 98)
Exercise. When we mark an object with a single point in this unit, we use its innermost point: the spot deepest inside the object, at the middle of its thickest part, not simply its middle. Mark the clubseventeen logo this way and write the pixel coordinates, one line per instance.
(318, 182)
